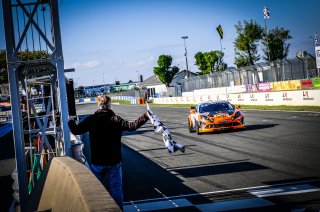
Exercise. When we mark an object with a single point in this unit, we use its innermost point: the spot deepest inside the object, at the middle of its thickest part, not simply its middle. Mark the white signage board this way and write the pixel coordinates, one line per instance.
(317, 49)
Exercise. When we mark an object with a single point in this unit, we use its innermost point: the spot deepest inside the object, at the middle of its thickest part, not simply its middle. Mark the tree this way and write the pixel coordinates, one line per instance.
(201, 63)
(23, 56)
(274, 44)
(3, 67)
(246, 43)
(164, 70)
(210, 62)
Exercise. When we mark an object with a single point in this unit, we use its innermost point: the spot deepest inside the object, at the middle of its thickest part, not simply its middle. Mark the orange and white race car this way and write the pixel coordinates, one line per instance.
(214, 116)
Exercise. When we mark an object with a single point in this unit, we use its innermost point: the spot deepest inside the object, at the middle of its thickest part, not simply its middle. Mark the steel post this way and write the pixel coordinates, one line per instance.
(15, 104)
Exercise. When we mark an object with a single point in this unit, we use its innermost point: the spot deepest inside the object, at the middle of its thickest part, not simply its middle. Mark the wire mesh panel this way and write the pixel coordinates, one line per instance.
(280, 70)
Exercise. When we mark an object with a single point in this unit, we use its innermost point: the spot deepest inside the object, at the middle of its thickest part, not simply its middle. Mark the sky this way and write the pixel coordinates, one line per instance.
(109, 40)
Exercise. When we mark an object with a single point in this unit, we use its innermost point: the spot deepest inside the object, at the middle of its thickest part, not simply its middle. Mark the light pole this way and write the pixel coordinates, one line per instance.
(185, 52)
(316, 44)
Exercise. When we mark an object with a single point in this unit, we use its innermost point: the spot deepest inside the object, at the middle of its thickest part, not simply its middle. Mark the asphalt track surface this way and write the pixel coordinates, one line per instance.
(273, 164)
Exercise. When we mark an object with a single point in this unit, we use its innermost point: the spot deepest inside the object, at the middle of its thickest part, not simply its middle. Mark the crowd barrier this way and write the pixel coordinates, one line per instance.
(124, 98)
(86, 100)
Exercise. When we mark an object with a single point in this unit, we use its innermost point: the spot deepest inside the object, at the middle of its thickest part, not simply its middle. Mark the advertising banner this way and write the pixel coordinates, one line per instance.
(316, 82)
(295, 84)
(251, 88)
(285, 85)
(306, 84)
(265, 86)
(276, 86)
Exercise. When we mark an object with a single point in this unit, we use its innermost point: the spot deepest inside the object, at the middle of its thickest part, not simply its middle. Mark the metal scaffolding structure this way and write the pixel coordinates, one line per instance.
(35, 58)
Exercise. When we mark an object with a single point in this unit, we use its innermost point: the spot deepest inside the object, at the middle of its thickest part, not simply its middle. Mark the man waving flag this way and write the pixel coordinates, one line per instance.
(220, 31)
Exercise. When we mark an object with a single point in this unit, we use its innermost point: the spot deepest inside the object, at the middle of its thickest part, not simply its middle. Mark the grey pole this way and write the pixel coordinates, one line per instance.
(185, 53)
(15, 104)
(57, 54)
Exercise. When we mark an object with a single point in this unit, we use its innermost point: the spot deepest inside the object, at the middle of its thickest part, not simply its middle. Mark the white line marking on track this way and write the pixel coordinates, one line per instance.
(228, 190)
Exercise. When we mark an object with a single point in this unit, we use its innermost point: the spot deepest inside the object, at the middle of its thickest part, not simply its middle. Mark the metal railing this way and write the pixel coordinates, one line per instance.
(280, 70)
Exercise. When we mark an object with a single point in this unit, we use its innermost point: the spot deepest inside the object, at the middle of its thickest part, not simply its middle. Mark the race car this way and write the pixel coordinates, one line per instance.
(214, 116)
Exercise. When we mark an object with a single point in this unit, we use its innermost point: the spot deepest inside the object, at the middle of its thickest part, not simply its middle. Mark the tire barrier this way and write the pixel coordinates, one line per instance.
(137, 101)
(86, 100)
(124, 98)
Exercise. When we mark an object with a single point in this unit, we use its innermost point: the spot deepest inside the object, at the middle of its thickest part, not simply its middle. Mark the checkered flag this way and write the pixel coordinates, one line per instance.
(266, 13)
(159, 127)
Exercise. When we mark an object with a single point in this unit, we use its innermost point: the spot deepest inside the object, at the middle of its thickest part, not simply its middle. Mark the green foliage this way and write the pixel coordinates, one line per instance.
(201, 63)
(274, 44)
(164, 71)
(3, 67)
(210, 62)
(246, 43)
(22, 56)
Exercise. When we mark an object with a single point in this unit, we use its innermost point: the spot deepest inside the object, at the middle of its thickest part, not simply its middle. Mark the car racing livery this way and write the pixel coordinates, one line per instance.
(214, 116)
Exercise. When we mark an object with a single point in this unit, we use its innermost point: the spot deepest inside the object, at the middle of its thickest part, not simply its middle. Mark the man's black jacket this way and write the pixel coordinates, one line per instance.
(105, 131)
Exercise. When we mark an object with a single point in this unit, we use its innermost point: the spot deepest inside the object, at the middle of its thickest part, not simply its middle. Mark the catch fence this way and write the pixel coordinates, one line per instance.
(280, 70)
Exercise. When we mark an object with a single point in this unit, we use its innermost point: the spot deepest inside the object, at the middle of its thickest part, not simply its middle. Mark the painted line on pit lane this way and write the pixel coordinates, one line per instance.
(225, 191)
(285, 190)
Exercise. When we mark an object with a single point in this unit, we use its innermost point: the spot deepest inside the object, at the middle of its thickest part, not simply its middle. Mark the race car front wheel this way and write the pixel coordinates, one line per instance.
(190, 126)
(198, 128)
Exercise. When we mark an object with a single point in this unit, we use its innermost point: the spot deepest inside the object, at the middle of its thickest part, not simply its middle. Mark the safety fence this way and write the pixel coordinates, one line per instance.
(281, 70)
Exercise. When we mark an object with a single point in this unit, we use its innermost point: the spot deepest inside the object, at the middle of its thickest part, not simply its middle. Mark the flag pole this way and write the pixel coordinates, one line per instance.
(266, 14)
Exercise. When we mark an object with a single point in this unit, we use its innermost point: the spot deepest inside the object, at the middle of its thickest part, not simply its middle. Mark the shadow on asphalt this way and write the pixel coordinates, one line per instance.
(144, 179)
(259, 126)
(248, 128)
(219, 169)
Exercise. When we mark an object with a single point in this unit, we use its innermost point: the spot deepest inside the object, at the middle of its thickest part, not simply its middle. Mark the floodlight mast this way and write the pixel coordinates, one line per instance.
(185, 52)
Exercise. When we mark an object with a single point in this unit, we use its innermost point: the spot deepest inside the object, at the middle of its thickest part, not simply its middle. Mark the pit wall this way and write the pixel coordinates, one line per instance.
(67, 185)
(293, 92)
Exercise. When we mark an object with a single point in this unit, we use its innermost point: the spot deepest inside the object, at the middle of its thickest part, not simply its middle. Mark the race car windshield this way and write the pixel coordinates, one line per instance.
(214, 108)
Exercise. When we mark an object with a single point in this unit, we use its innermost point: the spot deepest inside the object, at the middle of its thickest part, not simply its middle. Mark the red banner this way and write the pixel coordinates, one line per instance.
(305, 84)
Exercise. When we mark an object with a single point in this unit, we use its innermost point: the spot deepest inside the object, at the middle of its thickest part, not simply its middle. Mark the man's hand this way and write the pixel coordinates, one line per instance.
(71, 118)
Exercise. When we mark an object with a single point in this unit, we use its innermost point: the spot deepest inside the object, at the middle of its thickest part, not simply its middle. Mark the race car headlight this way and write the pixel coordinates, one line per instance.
(206, 118)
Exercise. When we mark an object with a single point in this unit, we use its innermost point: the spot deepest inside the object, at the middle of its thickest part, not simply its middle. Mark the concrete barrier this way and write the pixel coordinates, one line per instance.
(293, 98)
(67, 185)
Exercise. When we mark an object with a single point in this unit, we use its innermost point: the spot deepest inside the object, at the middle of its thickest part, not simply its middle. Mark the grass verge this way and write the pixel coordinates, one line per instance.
(121, 102)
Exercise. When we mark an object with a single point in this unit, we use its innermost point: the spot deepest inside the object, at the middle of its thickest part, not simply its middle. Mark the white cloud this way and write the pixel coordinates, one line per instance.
(86, 65)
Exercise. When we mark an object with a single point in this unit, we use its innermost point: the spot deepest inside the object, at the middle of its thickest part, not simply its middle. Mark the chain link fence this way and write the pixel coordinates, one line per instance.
(280, 70)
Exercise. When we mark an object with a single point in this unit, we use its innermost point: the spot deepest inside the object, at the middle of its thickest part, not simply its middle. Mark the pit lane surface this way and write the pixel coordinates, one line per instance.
(276, 150)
